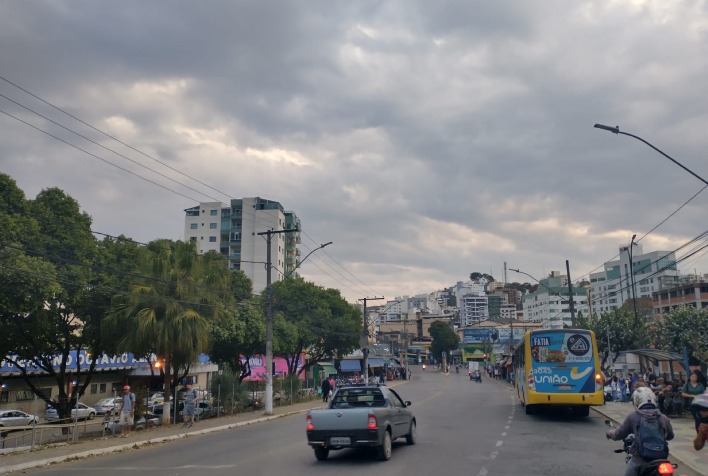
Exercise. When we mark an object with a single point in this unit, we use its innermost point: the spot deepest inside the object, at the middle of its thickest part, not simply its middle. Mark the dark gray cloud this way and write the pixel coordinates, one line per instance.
(426, 139)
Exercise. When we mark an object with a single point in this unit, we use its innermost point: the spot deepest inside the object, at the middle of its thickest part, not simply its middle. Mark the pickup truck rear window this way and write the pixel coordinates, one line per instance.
(354, 398)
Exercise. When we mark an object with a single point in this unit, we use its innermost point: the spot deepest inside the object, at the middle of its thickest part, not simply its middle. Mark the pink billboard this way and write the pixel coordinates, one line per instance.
(258, 367)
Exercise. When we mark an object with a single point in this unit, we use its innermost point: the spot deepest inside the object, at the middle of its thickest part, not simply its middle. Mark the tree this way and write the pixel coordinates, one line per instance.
(51, 309)
(239, 333)
(685, 327)
(169, 306)
(313, 319)
(623, 332)
(444, 339)
(476, 276)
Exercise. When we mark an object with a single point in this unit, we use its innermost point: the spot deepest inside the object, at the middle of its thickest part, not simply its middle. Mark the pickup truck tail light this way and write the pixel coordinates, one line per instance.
(372, 423)
(310, 426)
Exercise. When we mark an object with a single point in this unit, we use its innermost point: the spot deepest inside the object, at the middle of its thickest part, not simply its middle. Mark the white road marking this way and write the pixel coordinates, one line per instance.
(483, 471)
(499, 443)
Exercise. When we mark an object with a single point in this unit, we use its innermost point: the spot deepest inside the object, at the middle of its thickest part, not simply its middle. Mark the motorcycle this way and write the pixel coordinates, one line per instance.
(658, 467)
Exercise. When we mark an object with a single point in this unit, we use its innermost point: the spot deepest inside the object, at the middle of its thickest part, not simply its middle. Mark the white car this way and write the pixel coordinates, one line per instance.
(107, 405)
(80, 412)
(17, 418)
(156, 398)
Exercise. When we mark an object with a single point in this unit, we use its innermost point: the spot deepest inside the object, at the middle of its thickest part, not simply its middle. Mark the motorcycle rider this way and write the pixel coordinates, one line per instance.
(700, 403)
(644, 401)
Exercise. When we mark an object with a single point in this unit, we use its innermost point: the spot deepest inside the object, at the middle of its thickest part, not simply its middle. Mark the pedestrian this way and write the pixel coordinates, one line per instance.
(623, 389)
(692, 389)
(325, 387)
(127, 412)
(190, 401)
(615, 388)
(701, 404)
(409, 374)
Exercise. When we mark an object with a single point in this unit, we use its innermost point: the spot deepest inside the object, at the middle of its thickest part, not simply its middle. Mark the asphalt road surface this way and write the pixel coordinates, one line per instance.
(464, 428)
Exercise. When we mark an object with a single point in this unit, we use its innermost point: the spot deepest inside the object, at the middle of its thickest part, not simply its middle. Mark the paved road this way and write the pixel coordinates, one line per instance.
(464, 428)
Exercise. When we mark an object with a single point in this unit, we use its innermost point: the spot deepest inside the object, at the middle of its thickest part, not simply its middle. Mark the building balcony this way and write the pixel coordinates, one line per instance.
(235, 256)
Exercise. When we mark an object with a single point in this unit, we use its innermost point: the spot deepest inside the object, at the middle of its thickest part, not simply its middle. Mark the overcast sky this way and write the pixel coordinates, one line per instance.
(427, 140)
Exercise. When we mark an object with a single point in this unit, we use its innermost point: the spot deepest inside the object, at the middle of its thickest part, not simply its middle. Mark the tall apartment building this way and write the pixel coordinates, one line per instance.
(694, 294)
(475, 309)
(550, 304)
(653, 272)
(232, 230)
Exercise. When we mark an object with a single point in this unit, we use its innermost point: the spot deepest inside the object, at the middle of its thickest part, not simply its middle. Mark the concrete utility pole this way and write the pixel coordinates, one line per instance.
(365, 347)
(269, 321)
(573, 323)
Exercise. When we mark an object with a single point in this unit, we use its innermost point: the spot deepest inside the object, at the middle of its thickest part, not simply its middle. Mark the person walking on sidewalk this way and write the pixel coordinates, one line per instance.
(190, 401)
(701, 405)
(127, 412)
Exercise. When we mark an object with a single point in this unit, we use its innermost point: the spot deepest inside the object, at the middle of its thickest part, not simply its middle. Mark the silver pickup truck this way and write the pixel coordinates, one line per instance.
(365, 415)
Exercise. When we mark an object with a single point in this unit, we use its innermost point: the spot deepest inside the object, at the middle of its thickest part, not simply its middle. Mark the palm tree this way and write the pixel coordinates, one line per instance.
(168, 309)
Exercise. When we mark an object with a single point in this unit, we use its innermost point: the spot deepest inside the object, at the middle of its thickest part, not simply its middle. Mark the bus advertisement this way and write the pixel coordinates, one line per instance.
(558, 367)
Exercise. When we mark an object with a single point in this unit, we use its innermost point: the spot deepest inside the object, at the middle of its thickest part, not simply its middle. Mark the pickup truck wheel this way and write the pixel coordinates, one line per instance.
(411, 436)
(385, 449)
(321, 453)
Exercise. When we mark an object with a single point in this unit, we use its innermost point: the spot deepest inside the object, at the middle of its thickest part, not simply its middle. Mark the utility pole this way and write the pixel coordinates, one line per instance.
(365, 347)
(269, 321)
(573, 323)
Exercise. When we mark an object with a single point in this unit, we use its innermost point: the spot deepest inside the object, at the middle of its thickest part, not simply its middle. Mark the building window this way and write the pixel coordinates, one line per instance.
(212, 239)
(102, 388)
(193, 226)
(212, 226)
(213, 212)
(192, 238)
(94, 388)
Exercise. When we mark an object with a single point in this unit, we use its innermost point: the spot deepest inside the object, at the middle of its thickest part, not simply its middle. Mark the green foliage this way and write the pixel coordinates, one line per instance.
(444, 339)
(310, 318)
(685, 327)
(624, 333)
(476, 276)
(240, 332)
(170, 305)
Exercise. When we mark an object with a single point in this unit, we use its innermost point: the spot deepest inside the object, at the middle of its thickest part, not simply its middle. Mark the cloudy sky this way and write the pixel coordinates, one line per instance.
(427, 140)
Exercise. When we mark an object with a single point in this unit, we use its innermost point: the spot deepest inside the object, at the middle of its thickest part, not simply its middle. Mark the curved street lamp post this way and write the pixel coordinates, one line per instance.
(269, 315)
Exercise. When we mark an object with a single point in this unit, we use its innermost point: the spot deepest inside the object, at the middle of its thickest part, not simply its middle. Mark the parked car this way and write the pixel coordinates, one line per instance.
(80, 412)
(106, 405)
(17, 418)
(157, 397)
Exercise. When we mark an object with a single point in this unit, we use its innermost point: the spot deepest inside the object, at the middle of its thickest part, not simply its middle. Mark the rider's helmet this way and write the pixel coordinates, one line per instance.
(643, 396)
(700, 403)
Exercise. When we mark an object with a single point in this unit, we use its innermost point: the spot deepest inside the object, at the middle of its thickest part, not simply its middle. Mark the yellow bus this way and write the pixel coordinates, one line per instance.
(558, 367)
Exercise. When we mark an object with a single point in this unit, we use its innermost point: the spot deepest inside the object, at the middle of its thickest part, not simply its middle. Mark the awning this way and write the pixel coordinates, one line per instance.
(327, 369)
(350, 366)
(376, 362)
(657, 354)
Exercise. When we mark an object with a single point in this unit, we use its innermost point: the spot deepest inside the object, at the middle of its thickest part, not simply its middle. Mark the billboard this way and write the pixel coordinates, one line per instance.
(258, 367)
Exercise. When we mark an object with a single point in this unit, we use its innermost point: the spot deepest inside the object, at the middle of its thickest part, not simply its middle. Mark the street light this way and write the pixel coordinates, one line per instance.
(269, 317)
(307, 256)
(616, 130)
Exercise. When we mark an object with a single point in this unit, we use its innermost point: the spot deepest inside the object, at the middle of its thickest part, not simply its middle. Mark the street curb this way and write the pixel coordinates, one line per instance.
(137, 444)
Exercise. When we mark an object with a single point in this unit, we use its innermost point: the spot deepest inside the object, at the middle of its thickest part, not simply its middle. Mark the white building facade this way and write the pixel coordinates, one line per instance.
(232, 230)
(653, 272)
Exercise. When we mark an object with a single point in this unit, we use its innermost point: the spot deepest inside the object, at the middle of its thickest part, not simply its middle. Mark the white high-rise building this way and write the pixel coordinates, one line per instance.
(232, 230)
(653, 272)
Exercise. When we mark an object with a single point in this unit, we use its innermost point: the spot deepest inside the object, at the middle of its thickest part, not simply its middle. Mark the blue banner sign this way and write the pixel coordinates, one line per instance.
(103, 362)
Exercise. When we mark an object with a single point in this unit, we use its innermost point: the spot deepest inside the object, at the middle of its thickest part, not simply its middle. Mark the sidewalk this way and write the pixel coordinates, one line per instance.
(680, 448)
(52, 454)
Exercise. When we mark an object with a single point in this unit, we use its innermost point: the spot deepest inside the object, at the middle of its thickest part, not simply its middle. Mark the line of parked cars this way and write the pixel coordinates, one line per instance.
(80, 412)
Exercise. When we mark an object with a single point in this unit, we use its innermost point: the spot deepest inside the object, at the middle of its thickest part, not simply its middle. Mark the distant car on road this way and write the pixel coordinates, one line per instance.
(17, 418)
(157, 397)
(106, 405)
(80, 412)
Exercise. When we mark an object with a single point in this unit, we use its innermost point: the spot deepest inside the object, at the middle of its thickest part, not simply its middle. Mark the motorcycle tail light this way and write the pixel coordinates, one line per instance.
(665, 468)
